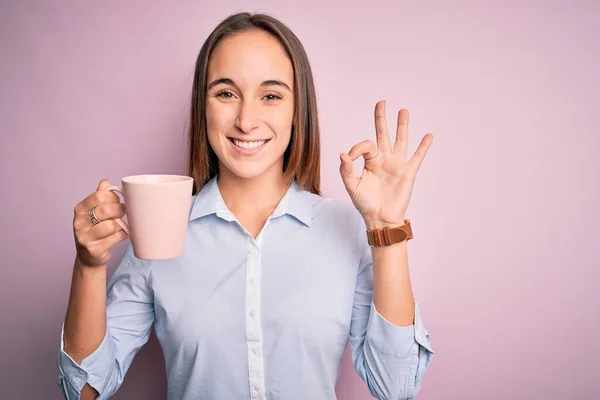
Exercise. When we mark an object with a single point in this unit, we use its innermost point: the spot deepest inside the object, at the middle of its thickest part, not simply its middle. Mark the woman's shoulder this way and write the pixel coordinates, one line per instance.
(331, 209)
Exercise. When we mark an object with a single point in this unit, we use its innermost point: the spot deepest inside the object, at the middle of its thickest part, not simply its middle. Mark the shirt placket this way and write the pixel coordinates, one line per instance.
(256, 370)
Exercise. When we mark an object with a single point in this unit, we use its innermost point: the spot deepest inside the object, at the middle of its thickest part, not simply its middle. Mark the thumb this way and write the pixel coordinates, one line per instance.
(347, 172)
(103, 185)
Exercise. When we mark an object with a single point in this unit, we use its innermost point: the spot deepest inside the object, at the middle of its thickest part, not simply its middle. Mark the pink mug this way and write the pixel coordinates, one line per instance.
(158, 209)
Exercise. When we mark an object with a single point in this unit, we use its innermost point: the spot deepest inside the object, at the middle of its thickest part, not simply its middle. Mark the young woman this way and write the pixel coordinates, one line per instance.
(275, 279)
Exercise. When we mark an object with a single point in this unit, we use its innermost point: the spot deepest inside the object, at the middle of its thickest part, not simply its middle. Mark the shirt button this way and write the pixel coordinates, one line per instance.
(253, 251)
(254, 351)
(256, 388)
(251, 313)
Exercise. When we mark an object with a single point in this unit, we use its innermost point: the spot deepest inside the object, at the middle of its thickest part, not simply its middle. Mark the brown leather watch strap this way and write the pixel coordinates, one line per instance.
(387, 236)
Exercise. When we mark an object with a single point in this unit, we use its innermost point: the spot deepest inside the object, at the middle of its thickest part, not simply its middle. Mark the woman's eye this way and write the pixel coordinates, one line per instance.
(272, 97)
(224, 94)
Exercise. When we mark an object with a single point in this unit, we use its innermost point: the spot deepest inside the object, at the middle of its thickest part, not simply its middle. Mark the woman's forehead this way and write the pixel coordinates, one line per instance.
(251, 57)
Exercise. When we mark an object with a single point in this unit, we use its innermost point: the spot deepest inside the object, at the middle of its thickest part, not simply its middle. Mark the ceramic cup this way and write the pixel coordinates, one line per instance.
(158, 209)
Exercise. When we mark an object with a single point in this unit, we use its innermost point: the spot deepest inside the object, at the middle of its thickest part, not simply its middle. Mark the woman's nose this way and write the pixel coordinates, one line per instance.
(248, 117)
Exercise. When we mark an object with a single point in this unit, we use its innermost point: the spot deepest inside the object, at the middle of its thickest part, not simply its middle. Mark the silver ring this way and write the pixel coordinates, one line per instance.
(93, 217)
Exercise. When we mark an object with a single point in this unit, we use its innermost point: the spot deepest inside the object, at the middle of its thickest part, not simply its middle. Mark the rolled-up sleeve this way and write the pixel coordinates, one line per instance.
(390, 359)
(130, 315)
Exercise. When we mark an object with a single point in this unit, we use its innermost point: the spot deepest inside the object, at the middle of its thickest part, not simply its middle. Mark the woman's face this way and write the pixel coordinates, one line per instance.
(250, 104)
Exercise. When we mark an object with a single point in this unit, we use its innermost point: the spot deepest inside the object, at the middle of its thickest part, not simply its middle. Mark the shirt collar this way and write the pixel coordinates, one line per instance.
(295, 202)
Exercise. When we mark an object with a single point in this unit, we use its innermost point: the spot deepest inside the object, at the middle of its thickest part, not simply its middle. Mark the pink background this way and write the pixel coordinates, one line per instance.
(505, 210)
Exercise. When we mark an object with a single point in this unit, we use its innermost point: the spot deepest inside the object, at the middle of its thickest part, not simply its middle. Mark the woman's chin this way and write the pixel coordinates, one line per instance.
(247, 170)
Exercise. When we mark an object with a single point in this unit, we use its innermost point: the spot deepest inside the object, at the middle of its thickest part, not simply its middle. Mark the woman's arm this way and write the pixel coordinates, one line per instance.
(392, 290)
(119, 321)
(85, 321)
(390, 345)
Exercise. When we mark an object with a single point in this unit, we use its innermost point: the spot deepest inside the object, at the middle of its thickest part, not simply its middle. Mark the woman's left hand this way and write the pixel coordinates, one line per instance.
(383, 191)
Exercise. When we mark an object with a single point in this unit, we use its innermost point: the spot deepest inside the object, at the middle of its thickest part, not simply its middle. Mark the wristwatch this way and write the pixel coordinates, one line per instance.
(387, 236)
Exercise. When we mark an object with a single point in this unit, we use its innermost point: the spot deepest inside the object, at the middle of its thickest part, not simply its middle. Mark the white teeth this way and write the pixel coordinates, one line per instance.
(248, 145)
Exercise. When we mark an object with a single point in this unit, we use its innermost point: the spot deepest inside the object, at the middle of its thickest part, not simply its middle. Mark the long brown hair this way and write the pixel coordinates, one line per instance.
(302, 158)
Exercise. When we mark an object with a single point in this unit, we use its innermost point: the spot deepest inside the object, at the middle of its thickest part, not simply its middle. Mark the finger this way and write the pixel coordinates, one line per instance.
(104, 212)
(367, 149)
(86, 234)
(417, 159)
(103, 185)
(383, 135)
(100, 248)
(402, 134)
(113, 239)
(347, 172)
(110, 195)
(95, 199)
(103, 229)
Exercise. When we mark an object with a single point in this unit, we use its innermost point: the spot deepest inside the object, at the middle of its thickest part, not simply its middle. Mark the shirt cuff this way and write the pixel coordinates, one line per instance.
(94, 369)
(397, 341)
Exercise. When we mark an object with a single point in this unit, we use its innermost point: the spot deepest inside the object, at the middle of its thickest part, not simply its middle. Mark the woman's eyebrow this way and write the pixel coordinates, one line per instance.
(229, 81)
(216, 82)
(274, 82)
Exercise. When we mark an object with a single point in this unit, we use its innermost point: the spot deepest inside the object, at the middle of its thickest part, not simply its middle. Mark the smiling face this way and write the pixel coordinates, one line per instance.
(250, 104)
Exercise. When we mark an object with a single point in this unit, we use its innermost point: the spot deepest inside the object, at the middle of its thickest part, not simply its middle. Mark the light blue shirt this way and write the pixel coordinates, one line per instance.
(265, 318)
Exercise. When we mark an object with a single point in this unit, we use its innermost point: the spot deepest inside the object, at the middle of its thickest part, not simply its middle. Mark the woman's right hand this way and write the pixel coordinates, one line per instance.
(93, 242)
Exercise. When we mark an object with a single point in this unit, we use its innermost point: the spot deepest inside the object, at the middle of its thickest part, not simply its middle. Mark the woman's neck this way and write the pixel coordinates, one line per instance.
(256, 197)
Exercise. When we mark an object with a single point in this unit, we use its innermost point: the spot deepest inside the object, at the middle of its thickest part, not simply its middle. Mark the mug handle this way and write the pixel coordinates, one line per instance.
(123, 224)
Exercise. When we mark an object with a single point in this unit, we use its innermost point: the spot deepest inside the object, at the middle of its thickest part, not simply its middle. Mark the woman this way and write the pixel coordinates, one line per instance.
(275, 279)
